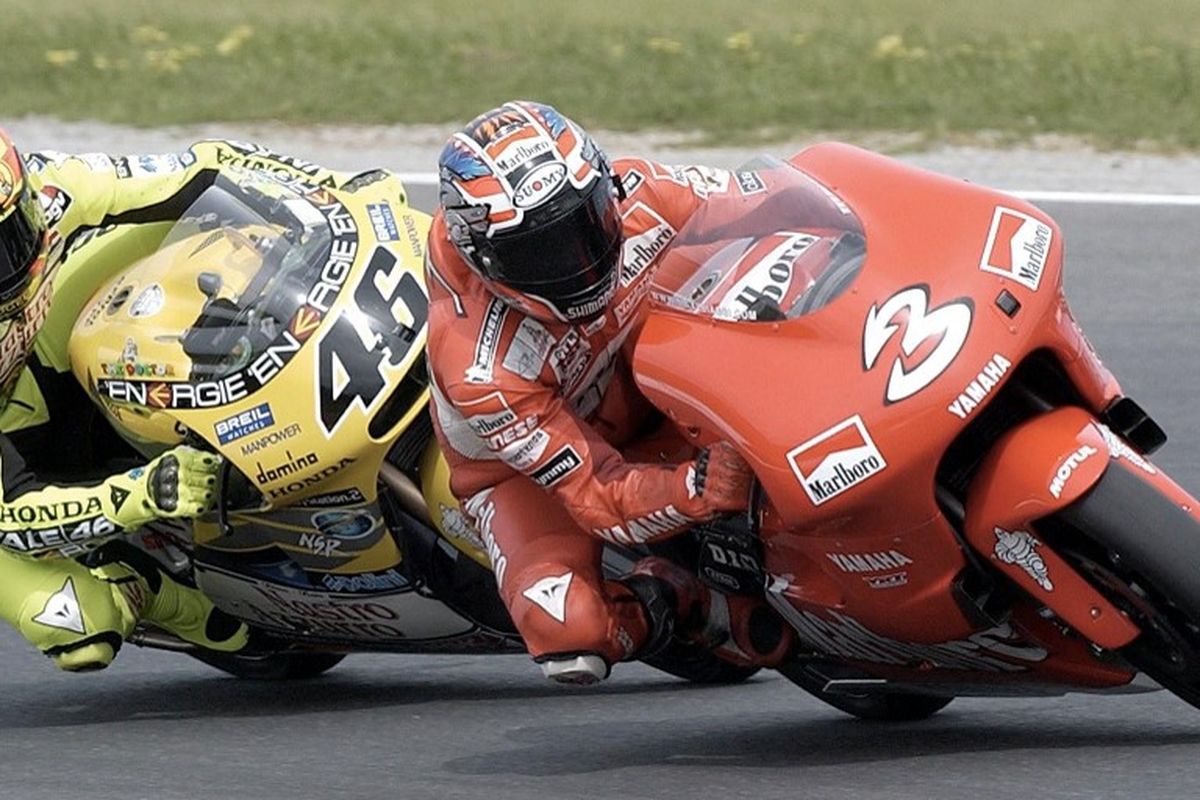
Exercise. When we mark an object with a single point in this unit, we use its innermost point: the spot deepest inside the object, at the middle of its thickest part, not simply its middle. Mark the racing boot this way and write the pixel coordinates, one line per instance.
(741, 630)
(152, 595)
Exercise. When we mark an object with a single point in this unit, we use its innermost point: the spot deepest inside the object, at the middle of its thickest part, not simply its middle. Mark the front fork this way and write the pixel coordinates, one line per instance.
(1035, 470)
(1038, 469)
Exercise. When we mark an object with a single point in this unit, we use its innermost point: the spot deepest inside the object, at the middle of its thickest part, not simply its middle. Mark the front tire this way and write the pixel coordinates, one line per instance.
(1142, 551)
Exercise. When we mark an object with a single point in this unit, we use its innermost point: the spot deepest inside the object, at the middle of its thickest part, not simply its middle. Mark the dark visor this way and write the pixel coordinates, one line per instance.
(566, 258)
(21, 235)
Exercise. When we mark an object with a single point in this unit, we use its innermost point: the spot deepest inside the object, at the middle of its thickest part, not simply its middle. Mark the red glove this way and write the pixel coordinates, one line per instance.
(718, 480)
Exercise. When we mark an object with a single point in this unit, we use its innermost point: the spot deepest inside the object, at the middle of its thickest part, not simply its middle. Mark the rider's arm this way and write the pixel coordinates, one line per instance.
(96, 190)
(607, 496)
(37, 519)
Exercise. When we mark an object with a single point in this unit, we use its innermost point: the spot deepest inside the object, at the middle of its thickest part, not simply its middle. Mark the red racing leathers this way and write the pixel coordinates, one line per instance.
(526, 409)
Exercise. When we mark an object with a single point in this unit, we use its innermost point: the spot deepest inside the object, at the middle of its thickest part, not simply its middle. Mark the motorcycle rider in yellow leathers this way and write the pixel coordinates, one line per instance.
(68, 583)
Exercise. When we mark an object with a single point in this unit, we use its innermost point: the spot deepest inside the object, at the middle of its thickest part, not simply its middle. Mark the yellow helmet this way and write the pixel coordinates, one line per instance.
(22, 231)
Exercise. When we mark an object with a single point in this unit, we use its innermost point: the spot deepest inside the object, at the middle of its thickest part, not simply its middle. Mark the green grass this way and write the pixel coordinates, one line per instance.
(1116, 71)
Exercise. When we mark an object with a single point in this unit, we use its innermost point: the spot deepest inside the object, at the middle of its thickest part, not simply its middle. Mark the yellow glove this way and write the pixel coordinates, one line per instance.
(180, 483)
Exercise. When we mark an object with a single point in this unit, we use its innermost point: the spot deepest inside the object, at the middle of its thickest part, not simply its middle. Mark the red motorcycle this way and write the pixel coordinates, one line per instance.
(954, 495)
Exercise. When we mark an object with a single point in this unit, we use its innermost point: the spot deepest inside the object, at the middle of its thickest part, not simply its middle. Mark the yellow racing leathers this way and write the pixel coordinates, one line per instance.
(68, 583)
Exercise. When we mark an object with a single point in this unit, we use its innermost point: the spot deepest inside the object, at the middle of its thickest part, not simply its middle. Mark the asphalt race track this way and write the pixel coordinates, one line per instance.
(162, 726)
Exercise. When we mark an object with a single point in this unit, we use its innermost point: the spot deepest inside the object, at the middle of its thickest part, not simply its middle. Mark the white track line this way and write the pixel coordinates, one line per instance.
(1112, 198)
(1035, 195)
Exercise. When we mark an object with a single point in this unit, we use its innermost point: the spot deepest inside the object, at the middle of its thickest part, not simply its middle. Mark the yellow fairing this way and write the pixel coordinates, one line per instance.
(443, 507)
(291, 340)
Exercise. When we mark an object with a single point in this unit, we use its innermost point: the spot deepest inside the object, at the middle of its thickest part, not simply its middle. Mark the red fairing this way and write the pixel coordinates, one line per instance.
(847, 352)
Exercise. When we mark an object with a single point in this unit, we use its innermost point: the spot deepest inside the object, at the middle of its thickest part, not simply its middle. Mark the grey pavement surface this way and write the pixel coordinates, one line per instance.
(159, 726)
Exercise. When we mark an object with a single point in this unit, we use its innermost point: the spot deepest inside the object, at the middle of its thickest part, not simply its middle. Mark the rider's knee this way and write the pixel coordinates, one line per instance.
(76, 619)
(563, 614)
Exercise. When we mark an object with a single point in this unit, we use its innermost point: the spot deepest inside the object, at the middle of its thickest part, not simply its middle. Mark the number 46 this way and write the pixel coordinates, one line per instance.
(389, 312)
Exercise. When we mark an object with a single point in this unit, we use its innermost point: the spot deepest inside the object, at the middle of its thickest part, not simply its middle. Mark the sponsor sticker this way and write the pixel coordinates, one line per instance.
(383, 221)
(640, 249)
(1068, 467)
(291, 466)
(344, 497)
(1017, 247)
(482, 366)
(247, 422)
(750, 182)
(892, 581)
(702, 180)
(879, 561)
(539, 185)
(631, 181)
(364, 581)
(488, 414)
(522, 152)
(527, 353)
(153, 164)
(456, 525)
(1118, 448)
(570, 358)
(631, 302)
(524, 453)
(54, 202)
(550, 593)
(560, 465)
(1020, 548)
(346, 525)
(148, 302)
(642, 529)
(836, 460)
(62, 610)
(270, 439)
(770, 278)
(977, 390)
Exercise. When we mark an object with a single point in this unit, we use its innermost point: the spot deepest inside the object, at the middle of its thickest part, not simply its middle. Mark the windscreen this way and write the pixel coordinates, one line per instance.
(263, 248)
(778, 246)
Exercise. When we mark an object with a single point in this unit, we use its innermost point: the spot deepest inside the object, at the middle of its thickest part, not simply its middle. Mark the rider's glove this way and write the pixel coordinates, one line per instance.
(718, 480)
(180, 483)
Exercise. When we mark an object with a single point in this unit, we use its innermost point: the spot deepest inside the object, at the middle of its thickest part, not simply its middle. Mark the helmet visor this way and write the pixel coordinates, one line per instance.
(570, 262)
(21, 235)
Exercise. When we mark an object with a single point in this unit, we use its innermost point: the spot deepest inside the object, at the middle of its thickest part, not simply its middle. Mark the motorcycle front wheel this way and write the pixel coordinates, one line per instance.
(271, 667)
(1142, 551)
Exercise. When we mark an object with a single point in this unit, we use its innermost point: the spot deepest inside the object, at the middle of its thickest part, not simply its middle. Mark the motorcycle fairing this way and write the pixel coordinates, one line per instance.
(845, 440)
(343, 271)
(260, 286)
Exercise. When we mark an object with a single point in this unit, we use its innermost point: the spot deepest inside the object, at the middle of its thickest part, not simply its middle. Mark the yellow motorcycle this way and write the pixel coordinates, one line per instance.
(283, 325)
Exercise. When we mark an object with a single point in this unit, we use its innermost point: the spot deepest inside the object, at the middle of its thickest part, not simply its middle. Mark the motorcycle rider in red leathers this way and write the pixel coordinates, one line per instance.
(540, 256)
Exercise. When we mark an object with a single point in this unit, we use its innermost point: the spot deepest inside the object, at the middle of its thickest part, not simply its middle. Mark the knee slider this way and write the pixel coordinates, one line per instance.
(87, 655)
